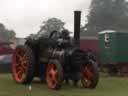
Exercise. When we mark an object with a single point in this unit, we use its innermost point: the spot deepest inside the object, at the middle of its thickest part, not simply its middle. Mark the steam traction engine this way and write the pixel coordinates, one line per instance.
(55, 57)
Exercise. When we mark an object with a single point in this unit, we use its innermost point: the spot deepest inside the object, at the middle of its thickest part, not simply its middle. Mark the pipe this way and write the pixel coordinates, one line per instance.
(77, 22)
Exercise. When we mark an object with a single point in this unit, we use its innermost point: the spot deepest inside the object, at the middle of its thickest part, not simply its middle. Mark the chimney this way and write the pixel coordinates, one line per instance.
(77, 21)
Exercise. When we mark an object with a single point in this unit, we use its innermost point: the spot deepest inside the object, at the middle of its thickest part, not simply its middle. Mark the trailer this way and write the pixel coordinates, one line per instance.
(113, 50)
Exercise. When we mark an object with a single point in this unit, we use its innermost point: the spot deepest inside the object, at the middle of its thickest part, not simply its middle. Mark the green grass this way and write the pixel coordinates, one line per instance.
(108, 86)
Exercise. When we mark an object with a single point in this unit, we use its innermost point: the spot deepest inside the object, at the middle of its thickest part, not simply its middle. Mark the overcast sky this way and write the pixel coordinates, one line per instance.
(25, 16)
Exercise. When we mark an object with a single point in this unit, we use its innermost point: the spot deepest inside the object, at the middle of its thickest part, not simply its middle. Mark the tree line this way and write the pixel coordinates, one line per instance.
(5, 34)
(107, 14)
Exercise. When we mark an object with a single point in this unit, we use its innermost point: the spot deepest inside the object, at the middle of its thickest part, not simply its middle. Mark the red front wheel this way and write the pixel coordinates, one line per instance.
(54, 75)
(90, 75)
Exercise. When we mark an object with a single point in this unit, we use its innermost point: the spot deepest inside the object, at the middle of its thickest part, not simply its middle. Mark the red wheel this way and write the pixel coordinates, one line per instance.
(54, 75)
(23, 64)
(90, 75)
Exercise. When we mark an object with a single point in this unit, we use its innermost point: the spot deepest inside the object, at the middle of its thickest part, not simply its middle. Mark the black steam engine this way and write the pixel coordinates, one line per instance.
(55, 57)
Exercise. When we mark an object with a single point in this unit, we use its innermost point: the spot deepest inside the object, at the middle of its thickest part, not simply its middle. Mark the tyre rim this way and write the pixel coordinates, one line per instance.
(52, 76)
(20, 63)
(87, 75)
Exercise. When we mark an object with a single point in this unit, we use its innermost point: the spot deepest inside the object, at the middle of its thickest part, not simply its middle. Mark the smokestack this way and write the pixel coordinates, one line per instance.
(77, 21)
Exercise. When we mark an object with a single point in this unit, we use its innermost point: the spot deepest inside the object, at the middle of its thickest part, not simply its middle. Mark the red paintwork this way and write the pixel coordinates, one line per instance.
(91, 44)
(5, 49)
(86, 44)
(5, 43)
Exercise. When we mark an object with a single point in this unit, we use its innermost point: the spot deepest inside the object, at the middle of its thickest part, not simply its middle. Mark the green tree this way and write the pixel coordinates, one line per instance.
(10, 34)
(2, 28)
(5, 34)
(107, 14)
(52, 24)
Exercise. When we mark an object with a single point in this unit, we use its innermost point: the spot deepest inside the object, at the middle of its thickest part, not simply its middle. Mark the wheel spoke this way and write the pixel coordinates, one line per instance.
(19, 74)
(17, 56)
(50, 79)
(24, 63)
(54, 78)
(24, 66)
(51, 66)
(88, 73)
(17, 68)
(24, 57)
(52, 72)
(22, 53)
(53, 83)
(88, 82)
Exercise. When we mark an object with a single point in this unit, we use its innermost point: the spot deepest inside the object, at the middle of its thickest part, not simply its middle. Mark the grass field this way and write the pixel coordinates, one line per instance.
(108, 86)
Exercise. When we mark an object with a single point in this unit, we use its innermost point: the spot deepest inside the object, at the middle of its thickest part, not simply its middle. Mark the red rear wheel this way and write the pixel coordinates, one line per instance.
(22, 66)
(54, 75)
(20, 63)
(90, 75)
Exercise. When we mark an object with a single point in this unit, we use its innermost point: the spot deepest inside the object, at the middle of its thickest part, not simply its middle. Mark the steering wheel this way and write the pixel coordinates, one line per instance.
(54, 34)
